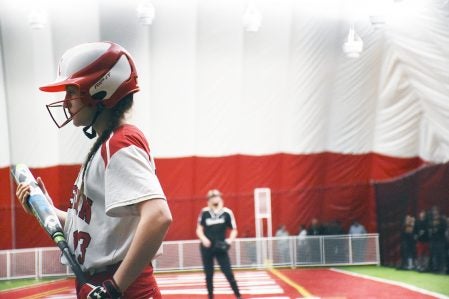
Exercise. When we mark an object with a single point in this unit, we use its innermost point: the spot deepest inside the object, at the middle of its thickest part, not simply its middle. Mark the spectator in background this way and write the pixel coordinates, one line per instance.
(302, 249)
(283, 243)
(302, 232)
(408, 244)
(437, 241)
(334, 228)
(421, 233)
(358, 242)
(315, 228)
(313, 243)
(357, 229)
(336, 247)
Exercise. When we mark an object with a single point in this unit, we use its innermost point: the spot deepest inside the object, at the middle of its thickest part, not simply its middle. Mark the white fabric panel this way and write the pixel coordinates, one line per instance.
(218, 77)
(354, 95)
(4, 134)
(416, 76)
(171, 52)
(263, 82)
(209, 88)
(26, 55)
(309, 97)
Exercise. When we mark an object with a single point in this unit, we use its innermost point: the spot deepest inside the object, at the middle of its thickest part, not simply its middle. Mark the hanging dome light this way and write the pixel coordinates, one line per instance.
(146, 13)
(378, 10)
(37, 19)
(353, 45)
(252, 18)
(377, 21)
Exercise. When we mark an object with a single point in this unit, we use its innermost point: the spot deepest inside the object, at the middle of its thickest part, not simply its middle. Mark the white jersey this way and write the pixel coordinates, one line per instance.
(102, 222)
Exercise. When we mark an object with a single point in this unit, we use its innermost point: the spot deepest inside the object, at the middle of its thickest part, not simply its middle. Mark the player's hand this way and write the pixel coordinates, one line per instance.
(206, 242)
(109, 290)
(23, 192)
(41, 184)
(228, 241)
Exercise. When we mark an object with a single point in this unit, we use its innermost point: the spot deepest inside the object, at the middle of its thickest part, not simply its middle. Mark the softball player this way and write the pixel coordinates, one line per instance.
(213, 222)
(119, 214)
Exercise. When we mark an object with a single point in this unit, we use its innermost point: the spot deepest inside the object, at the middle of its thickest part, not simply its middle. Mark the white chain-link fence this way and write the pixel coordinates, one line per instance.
(245, 253)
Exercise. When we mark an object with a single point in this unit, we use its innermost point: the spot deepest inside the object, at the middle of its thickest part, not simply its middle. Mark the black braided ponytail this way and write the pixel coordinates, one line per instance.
(118, 112)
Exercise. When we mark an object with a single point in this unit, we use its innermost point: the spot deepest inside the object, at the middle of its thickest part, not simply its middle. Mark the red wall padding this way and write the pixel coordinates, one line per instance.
(58, 181)
(327, 185)
(5, 210)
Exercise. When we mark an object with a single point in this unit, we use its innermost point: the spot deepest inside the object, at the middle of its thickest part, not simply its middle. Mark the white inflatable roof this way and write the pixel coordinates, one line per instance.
(210, 88)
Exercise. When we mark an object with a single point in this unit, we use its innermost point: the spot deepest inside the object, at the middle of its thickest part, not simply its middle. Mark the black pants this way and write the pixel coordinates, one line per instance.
(437, 255)
(207, 255)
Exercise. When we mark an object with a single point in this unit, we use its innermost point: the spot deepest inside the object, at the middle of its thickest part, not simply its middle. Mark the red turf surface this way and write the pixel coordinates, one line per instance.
(320, 283)
(325, 283)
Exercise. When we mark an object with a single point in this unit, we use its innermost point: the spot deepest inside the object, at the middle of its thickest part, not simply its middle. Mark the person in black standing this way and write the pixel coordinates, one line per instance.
(313, 242)
(437, 229)
(421, 232)
(408, 244)
(213, 222)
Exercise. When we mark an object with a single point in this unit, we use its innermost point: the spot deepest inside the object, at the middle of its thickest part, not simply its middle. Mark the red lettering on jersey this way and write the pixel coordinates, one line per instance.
(86, 211)
(83, 240)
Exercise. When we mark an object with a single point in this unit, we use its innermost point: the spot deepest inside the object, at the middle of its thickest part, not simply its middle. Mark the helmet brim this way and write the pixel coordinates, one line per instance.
(58, 86)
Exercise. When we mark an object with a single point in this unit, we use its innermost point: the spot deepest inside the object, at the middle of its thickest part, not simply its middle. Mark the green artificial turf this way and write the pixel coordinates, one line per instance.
(16, 283)
(432, 282)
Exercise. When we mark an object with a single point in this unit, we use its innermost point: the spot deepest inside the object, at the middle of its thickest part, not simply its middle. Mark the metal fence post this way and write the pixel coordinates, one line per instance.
(181, 255)
(376, 238)
(36, 263)
(350, 249)
(237, 253)
(323, 259)
(293, 249)
(260, 255)
(8, 264)
(40, 263)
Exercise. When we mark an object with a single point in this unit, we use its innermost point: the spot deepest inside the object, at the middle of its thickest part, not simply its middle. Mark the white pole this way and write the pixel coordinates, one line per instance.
(237, 252)
(181, 255)
(8, 264)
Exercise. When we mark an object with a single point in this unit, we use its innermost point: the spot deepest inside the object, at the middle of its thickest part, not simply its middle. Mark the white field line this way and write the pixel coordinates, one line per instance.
(396, 283)
(224, 283)
(259, 283)
(194, 277)
(203, 291)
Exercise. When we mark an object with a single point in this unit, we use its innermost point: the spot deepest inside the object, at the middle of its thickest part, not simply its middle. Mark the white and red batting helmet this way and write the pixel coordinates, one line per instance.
(104, 72)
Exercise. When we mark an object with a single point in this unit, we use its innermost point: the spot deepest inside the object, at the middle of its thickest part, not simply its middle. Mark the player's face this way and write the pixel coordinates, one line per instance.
(81, 114)
(215, 201)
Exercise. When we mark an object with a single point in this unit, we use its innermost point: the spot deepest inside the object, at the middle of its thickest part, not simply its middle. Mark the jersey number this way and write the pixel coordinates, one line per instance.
(83, 240)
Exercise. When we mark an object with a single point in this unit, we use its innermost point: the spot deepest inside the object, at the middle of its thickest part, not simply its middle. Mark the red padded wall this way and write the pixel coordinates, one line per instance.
(327, 185)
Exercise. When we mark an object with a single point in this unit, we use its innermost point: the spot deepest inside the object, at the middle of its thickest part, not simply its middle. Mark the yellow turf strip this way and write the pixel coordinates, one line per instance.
(45, 294)
(291, 283)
